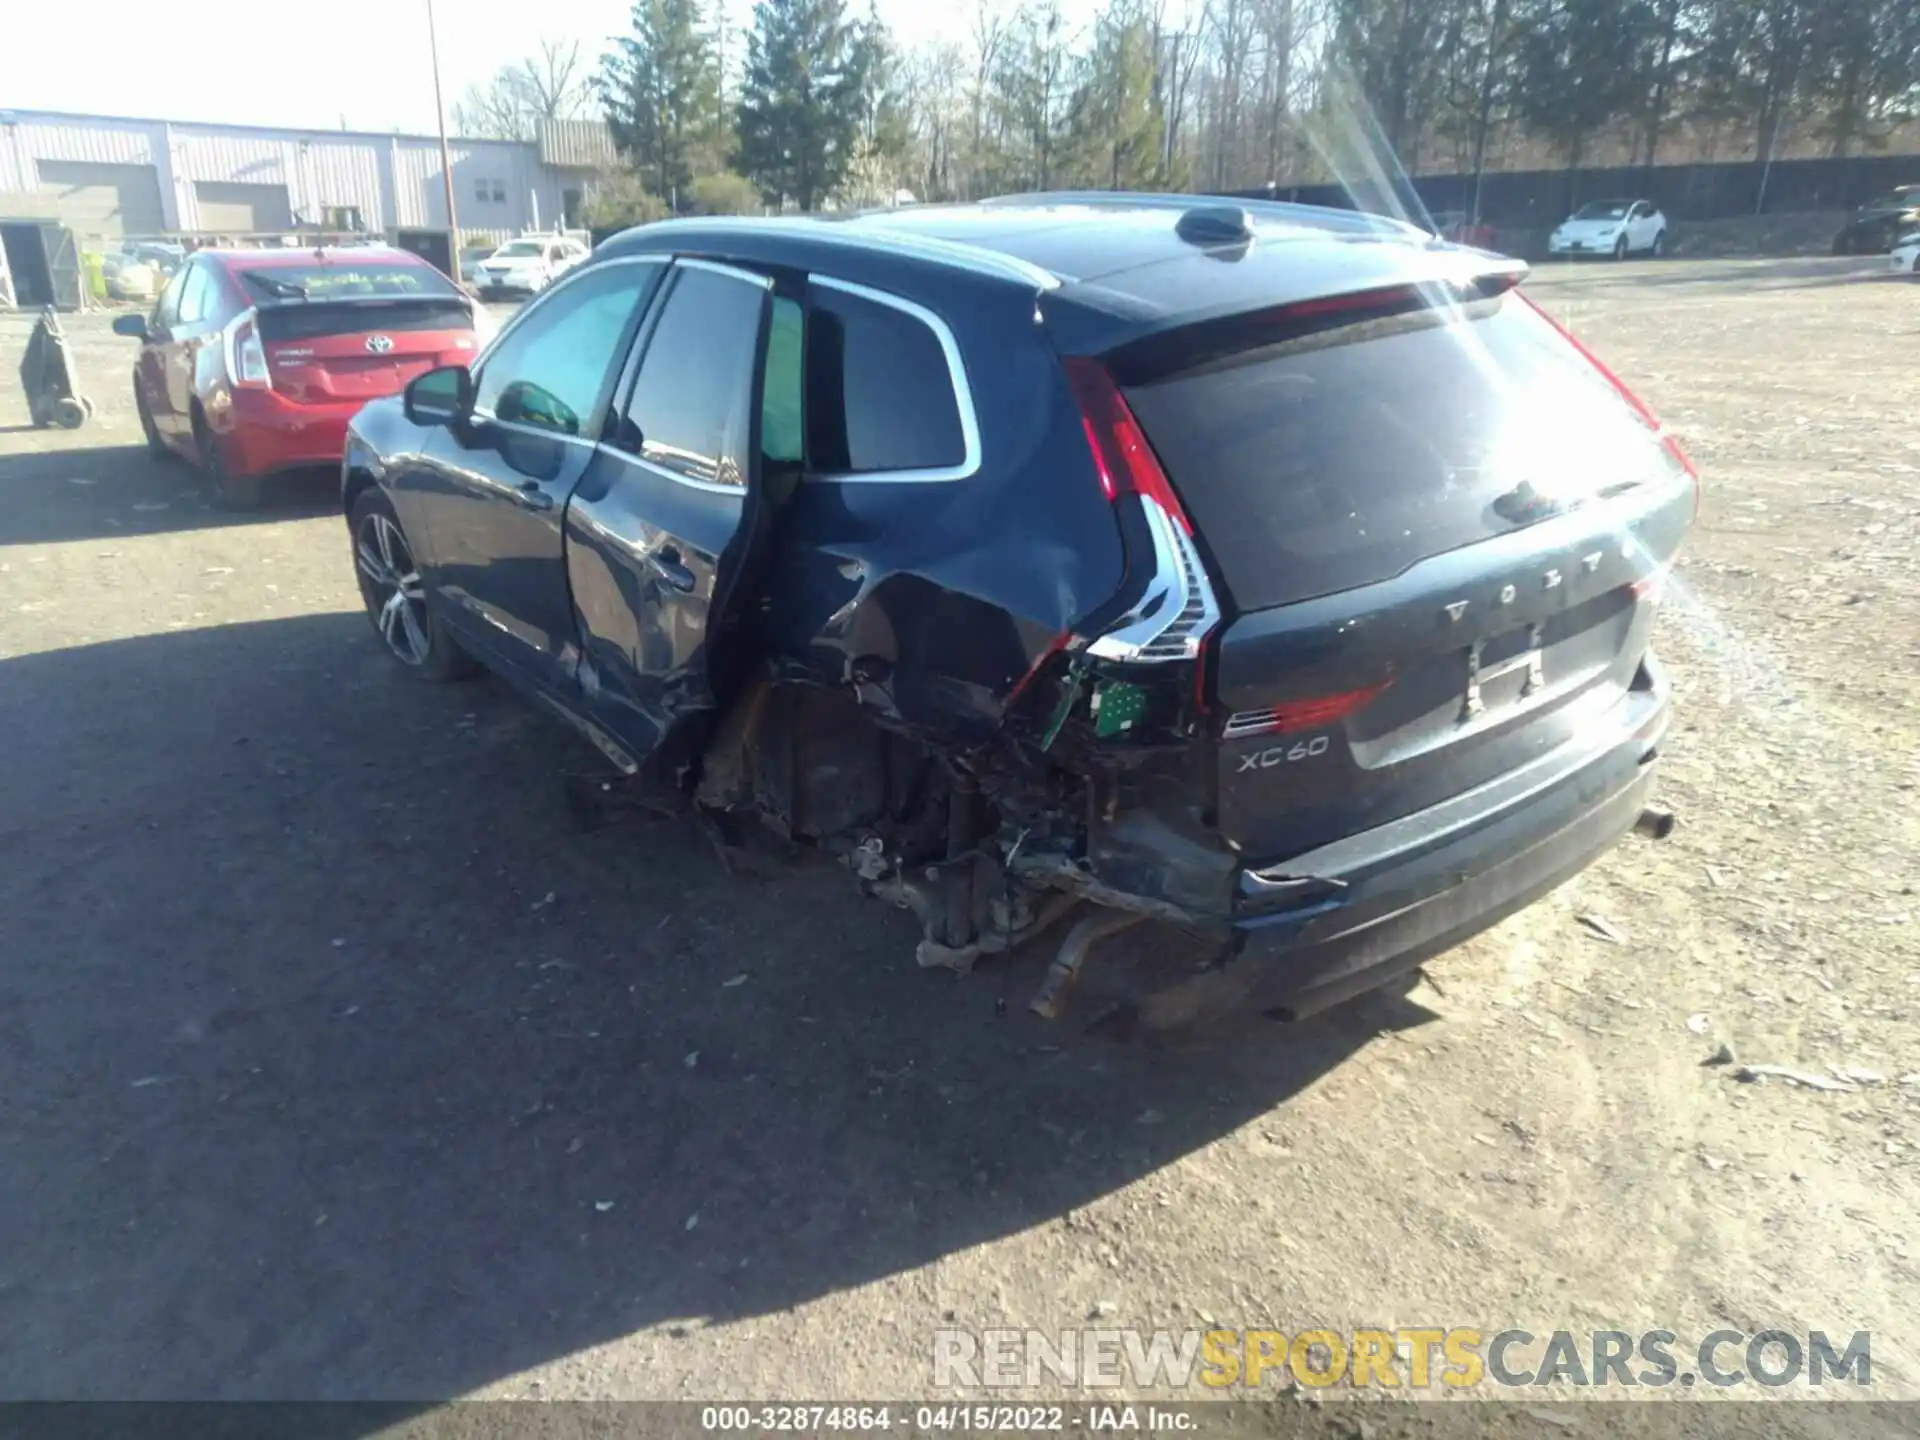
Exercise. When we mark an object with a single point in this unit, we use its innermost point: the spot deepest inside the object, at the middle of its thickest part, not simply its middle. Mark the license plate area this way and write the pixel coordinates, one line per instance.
(1504, 668)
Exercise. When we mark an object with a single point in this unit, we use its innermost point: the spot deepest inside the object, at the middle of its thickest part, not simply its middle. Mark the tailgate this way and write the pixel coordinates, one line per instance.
(361, 350)
(1438, 531)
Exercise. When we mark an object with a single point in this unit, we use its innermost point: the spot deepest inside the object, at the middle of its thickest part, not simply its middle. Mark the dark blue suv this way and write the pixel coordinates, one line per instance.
(1277, 573)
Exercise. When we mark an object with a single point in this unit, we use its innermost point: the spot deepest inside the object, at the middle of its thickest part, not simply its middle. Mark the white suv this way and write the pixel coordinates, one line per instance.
(528, 265)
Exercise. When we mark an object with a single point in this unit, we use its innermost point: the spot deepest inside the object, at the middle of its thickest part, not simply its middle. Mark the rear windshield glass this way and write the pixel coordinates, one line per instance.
(1603, 210)
(1343, 458)
(345, 280)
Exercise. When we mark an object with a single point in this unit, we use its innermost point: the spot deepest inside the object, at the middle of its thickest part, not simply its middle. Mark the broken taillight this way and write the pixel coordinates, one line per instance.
(1176, 610)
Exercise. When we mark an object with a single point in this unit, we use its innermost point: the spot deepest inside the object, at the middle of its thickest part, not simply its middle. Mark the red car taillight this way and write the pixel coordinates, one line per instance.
(246, 356)
(1669, 443)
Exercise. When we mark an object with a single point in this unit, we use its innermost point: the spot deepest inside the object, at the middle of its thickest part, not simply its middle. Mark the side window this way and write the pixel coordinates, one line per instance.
(166, 310)
(782, 423)
(195, 296)
(692, 402)
(548, 370)
(880, 395)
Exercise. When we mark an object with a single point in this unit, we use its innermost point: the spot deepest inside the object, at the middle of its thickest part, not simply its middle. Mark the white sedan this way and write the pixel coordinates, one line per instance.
(1905, 258)
(1611, 227)
(528, 265)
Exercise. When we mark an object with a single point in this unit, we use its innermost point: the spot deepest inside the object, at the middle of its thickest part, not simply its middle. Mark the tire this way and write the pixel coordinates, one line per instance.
(1620, 248)
(1659, 244)
(156, 447)
(69, 413)
(394, 597)
(229, 492)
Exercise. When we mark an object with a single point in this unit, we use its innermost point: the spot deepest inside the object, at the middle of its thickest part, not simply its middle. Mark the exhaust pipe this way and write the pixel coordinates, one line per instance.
(1655, 823)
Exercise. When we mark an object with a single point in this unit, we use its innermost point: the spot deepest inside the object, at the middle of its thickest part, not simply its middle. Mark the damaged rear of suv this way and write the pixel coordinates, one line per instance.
(1280, 575)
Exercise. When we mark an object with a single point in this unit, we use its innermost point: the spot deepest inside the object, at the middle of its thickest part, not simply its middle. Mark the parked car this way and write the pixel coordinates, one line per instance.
(1904, 259)
(471, 259)
(253, 361)
(528, 265)
(1879, 224)
(1142, 556)
(1611, 227)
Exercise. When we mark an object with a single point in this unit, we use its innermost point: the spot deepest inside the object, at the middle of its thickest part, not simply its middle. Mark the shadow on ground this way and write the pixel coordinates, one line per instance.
(336, 1063)
(88, 491)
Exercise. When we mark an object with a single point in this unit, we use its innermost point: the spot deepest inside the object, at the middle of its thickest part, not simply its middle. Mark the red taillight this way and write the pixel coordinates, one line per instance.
(1121, 455)
(1639, 407)
(1308, 714)
(246, 356)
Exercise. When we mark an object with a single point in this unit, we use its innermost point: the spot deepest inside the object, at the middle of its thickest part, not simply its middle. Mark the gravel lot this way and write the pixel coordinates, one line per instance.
(334, 1062)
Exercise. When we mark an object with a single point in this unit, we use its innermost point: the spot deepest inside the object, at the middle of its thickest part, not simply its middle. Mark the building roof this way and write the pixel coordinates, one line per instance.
(575, 144)
(69, 117)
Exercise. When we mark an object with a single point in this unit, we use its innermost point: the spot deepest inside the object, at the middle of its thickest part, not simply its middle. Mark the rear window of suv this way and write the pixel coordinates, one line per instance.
(880, 395)
(1345, 457)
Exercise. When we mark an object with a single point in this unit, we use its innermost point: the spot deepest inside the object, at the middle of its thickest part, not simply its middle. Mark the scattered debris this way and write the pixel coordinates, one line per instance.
(1699, 1024)
(1712, 1162)
(1747, 1074)
(737, 980)
(603, 1206)
(1722, 1056)
(338, 943)
(573, 1145)
(1102, 1310)
(693, 1059)
(145, 1080)
(693, 1219)
(1715, 878)
(542, 902)
(1603, 927)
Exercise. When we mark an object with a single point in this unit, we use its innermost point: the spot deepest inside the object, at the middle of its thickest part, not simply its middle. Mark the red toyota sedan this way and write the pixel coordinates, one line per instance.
(253, 361)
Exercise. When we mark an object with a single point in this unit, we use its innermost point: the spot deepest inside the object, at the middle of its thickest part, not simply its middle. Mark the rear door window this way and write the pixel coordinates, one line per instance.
(692, 408)
(1342, 458)
(880, 393)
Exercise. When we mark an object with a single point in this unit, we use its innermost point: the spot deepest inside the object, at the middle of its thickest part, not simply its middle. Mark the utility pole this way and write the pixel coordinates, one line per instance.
(446, 157)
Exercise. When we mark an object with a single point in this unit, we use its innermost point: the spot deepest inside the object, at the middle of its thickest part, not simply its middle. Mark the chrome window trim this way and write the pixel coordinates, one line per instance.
(962, 396)
(735, 272)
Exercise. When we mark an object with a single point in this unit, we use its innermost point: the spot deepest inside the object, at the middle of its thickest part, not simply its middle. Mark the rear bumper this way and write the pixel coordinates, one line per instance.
(265, 432)
(1355, 914)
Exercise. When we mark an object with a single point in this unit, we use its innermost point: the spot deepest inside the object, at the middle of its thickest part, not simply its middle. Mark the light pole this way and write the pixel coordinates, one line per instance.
(446, 157)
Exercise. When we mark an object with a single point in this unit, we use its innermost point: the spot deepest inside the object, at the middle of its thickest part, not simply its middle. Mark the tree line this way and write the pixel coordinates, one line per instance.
(816, 104)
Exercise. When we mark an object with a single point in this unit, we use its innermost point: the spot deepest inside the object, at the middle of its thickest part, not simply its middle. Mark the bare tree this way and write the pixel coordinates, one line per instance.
(553, 83)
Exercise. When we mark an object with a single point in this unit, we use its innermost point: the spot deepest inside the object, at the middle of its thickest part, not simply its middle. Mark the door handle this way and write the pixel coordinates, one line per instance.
(531, 497)
(666, 564)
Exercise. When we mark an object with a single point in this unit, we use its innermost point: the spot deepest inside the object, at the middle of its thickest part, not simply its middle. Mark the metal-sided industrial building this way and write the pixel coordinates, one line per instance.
(105, 177)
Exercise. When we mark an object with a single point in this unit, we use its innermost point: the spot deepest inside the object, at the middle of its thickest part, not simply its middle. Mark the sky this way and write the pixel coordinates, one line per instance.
(354, 64)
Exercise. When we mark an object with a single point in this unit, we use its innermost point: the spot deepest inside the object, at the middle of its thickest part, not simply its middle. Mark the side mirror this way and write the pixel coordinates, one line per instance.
(440, 397)
(134, 327)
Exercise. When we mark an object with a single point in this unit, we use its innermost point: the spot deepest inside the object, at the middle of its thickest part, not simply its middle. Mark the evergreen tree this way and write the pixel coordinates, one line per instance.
(659, 85)
(802, 106)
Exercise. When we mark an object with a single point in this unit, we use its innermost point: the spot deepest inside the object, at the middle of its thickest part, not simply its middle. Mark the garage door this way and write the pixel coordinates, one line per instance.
(92, 199)
(229, 208)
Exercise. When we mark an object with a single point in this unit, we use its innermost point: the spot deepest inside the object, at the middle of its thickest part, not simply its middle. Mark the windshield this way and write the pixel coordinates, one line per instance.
(1604, 210)
(346, 281)
(1896, 199)
(521, 247)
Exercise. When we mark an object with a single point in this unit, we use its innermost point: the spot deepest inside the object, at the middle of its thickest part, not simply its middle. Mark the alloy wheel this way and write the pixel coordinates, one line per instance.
(391, 586)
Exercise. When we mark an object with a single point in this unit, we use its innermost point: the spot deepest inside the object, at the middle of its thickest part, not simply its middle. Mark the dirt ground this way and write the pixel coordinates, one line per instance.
(334, 1062)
